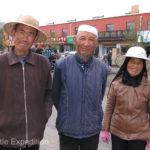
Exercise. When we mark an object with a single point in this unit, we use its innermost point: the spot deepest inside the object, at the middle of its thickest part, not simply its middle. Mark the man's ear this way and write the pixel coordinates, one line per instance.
(13, 34)
(74, 40)
(36, 38)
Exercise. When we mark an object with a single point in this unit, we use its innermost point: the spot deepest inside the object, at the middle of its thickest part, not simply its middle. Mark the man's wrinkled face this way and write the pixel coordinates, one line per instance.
(23, 36)
(86, 43)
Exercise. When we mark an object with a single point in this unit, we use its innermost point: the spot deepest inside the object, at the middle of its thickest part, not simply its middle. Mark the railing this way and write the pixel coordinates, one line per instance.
(114, 35)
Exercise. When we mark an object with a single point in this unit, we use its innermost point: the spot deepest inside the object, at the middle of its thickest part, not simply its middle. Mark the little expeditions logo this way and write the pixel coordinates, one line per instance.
(16, 142)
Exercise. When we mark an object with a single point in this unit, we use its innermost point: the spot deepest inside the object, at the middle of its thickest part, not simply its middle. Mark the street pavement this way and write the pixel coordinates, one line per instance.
(51, 138)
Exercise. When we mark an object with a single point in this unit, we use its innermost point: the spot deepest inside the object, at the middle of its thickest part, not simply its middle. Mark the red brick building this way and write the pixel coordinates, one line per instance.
(111, 31)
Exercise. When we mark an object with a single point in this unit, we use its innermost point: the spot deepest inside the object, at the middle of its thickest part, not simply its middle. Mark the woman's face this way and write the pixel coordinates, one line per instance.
(135, 66)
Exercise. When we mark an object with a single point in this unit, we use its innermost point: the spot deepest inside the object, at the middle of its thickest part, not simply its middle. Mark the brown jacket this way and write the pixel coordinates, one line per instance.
(25, 99)
(127, 111)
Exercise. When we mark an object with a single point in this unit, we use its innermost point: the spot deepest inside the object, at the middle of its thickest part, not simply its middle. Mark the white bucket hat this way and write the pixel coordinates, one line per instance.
(136, 52)
(26, 20)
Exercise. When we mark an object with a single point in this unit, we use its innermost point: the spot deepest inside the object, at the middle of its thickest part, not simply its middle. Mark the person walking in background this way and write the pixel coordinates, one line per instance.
(47, 52)
(25, 88)
(34, 48)
(105, 60)
(52, 60)
(78, 88)
(39, 49)
(127, 110)
(109, 58)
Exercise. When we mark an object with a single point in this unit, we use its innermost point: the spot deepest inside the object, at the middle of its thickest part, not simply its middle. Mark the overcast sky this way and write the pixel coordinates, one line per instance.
(60, 11)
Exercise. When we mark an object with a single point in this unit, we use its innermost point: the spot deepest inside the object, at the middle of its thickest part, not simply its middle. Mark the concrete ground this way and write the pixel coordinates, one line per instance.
(51, 139)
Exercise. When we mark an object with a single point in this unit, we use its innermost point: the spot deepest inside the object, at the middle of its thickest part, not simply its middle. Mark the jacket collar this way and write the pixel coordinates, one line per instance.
(80, 61)
(13, 59)
(143, 81)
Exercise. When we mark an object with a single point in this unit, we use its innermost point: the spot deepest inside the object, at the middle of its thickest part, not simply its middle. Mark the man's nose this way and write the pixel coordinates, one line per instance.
(86, 42)
(25, 36)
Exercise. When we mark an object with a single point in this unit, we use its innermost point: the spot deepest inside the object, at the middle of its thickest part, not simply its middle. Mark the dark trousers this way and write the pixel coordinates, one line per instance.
(68, 143)
(120, 144)
(35, 147)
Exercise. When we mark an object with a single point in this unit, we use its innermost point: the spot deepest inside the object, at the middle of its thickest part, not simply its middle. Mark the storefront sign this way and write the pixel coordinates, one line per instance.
(70, 39)
(59, 39)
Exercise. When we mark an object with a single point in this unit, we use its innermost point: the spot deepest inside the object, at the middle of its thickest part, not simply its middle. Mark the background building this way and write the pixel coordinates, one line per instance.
(114, 32)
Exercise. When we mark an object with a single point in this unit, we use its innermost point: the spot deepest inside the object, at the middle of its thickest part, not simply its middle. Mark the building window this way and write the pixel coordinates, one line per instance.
(109, 27)
(148, 25)
(76, 30)
(130, 26)
(64, 32)
(52, 33)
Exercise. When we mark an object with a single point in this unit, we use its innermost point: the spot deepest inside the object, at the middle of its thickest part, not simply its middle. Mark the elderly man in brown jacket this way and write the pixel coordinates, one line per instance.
(25, 88)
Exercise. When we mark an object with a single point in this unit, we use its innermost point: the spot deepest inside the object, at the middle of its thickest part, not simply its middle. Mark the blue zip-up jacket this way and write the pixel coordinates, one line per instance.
(77, 96)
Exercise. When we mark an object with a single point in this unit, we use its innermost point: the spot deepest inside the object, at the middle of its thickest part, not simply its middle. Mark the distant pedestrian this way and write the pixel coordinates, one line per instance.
(33, 48)
(39, 49)
(47, 52)
(127, 111)
(109, 58)
(105, 59)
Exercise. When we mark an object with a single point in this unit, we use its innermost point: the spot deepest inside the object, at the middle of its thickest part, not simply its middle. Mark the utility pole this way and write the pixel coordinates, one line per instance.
(70, 29)
(139, 32)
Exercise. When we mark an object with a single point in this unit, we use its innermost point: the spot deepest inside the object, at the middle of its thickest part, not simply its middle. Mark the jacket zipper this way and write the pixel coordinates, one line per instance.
(25, 104)
(84, 84)
(83, 103)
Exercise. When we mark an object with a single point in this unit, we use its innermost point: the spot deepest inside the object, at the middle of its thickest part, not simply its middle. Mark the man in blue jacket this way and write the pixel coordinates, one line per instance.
(78, 88)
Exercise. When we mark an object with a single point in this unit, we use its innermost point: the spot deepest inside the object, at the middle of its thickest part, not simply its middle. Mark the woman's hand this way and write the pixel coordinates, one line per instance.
(105, 136)
(148, 145)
